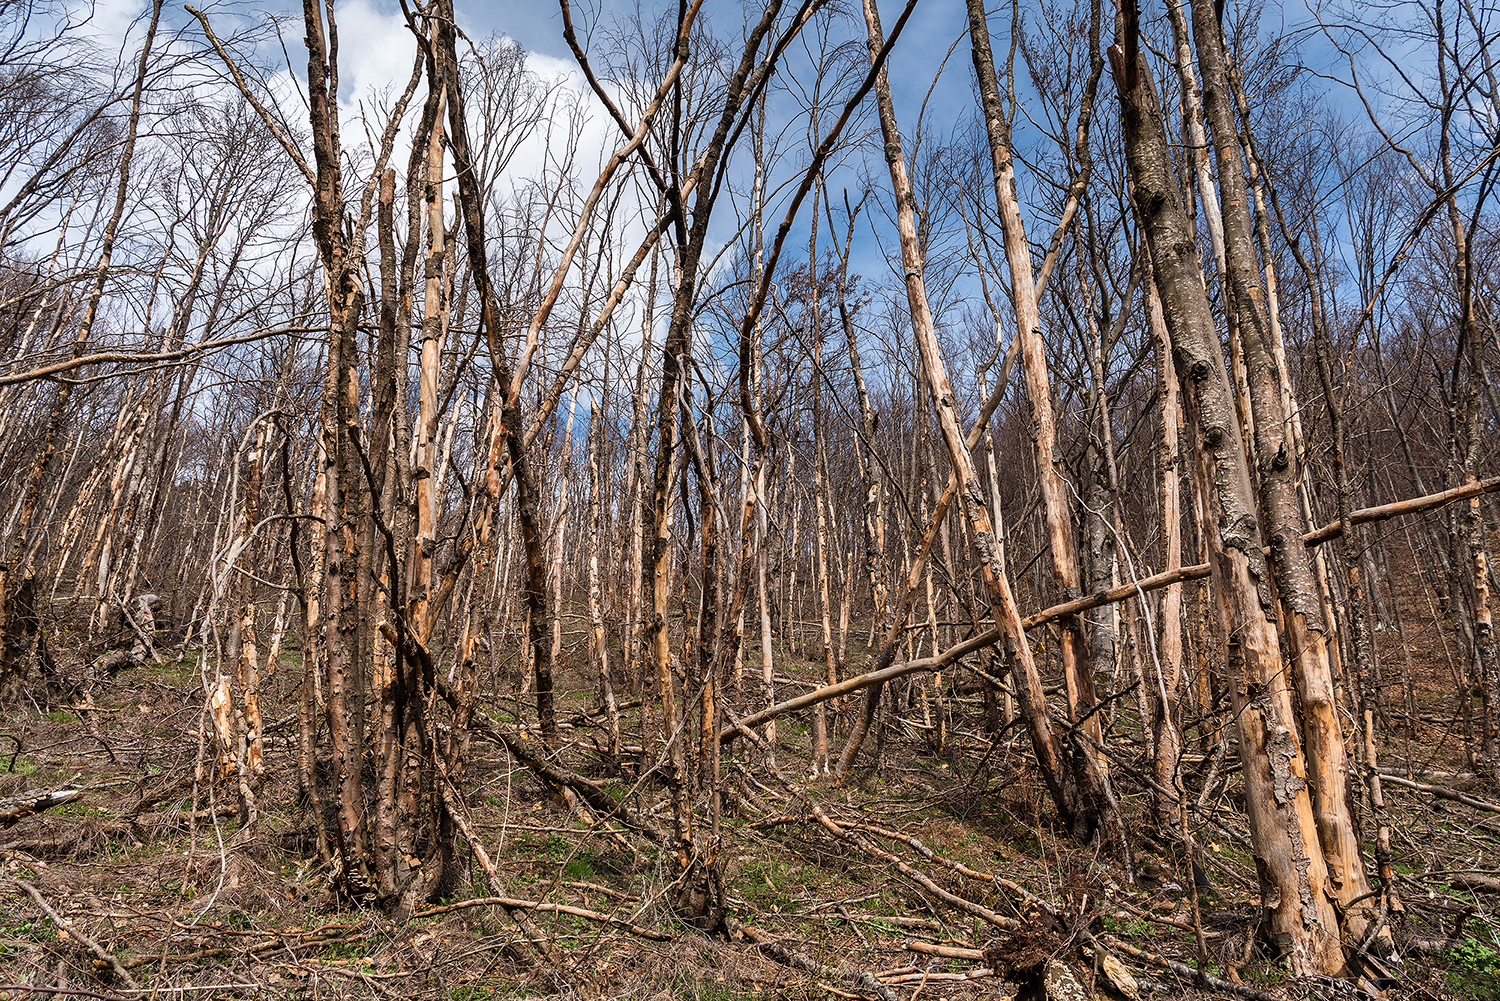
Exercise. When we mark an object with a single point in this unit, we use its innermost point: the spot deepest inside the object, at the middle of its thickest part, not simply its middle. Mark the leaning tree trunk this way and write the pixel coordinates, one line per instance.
(1081, 807)
(32, 496)
(1078, 670)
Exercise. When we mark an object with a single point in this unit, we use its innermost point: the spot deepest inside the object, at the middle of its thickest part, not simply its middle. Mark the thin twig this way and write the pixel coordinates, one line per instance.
(66, 926)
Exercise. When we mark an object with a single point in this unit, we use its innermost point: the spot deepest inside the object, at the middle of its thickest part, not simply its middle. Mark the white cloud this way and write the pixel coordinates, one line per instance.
(376, 49)
(106, 21)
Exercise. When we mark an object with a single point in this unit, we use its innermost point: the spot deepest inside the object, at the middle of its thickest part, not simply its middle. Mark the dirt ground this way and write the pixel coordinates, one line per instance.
(144, 885)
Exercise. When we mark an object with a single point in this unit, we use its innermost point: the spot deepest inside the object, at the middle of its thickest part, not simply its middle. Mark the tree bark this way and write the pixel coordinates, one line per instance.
(1280, 478)
(1166, 736)
(1296, 896)
(1078, 670)
(1080, 808)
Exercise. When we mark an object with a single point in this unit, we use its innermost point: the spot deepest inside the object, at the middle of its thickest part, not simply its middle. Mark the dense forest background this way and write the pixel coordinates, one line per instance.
(1038, 507)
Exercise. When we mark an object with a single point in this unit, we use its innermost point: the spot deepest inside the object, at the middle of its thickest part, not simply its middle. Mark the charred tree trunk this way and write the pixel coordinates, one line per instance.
(22, 640)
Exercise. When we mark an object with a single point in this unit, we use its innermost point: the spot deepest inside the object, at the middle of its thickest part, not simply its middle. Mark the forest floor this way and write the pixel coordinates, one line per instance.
(129, 892)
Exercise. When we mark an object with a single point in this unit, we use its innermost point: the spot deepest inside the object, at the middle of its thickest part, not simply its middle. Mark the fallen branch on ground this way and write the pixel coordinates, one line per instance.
(922, 978)
(1441, 792)
(945, 951)
(64, 926)
(787, 956)
(854, 836)
(1199, 977)
(18, 808)
(456, 810)
(515, 904)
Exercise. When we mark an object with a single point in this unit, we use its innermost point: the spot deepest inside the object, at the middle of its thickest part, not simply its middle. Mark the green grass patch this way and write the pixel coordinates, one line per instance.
(24, 766)
(1475, 971)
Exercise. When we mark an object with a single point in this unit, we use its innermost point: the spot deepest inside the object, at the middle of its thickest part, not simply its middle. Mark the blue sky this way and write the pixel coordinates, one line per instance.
(377, 52)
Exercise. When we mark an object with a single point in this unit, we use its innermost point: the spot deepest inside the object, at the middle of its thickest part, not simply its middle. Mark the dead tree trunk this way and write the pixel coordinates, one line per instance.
(1166, 735)
(1296, 895)
(1081, 808)
(1078, 674)
(1279, 479)
(22, 640)
(596, 604)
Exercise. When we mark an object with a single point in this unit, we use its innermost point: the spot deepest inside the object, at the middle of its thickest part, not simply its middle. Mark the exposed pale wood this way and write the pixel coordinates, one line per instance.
(1441, 792)
(15, 809)
(1078, 672)
(946, 951)
(1078, 808)
(1283, 833)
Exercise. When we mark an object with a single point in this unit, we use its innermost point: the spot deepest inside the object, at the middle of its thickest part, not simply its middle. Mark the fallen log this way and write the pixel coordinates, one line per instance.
(1472, 882)
(18, 808)
(945, 951)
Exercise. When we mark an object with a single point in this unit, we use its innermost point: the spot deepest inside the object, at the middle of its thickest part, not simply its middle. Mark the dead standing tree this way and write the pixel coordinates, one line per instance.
(1080, 807)
(1077, 664)
(18, 550)
(349, 494)
(697, 889)
(1298, 900)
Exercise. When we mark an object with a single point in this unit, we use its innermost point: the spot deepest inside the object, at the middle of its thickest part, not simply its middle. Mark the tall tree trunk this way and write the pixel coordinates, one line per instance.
(1295, 895)
(343, 629)
(435, 308)
(1464, 436)
(508, 438)
(1080, 808)
(1280, 479)
(596, 609)
(558, 546)
(820, 494)
(871, 473)
(1166, 736)
(1361, 641)
(1078, 671)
